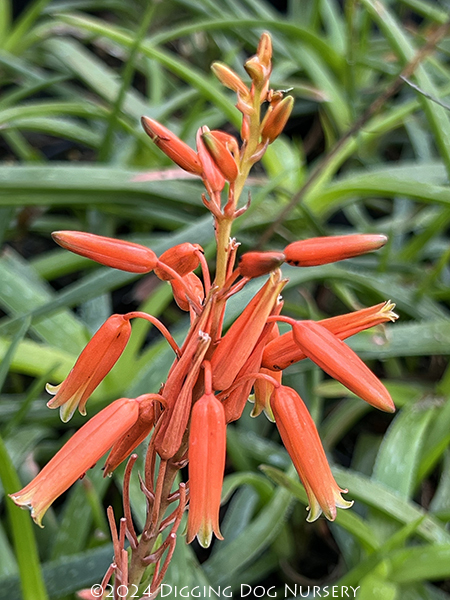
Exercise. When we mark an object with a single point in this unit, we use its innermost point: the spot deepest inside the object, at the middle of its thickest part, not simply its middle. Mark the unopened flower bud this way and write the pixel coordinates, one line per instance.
(340, 362)
(324, 250)
(172, 146)
(182, 258)
(214, 180)
(277, 119)
(193, 285)
(229, 78)
(222, 157)
(108, 251)
(255, 70)
(264, 51)
(255, 264)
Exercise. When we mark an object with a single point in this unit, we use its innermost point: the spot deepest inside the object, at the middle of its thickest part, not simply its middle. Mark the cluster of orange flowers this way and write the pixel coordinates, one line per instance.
(214, 371)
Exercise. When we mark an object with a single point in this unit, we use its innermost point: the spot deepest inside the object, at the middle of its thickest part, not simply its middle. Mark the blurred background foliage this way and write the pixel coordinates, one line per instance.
(76, 76)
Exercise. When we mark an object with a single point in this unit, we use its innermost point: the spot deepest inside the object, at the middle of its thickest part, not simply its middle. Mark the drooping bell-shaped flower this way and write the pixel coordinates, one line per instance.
(78, 455)
(263, 390)
(92, 366)
(324, 250)
(118, 254)
(207, 450)
(301, 439)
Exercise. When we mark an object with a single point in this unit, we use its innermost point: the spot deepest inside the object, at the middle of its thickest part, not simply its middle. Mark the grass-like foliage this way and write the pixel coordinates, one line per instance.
(366, 150)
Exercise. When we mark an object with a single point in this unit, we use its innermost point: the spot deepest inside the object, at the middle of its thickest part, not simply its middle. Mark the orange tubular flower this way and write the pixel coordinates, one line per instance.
(135, 435)
(93, 364)
(324, 250)
(302, 441)
(284, 351)
(176, 417)
(207, 450)
(255, 264)
(78, 455)
(118, 254)
(172, 146)
(182, 258)
(234, 402)
(237, 344)
(341, 363)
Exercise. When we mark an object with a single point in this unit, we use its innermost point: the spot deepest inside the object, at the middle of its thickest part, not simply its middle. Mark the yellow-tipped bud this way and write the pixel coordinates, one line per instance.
(229, 78)
(277, 119)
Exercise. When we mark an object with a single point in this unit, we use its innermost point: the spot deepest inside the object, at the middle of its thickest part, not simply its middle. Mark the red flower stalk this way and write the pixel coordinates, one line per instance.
(324, 250)
(255, 264)
(341, 363)
(78, 455)
(284, 351)
(207, 450)
(172, 146)
(92, 366)
(118, 254)
(302, 441)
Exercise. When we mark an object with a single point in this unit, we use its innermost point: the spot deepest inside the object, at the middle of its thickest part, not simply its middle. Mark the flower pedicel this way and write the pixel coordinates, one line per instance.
(214, 370)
